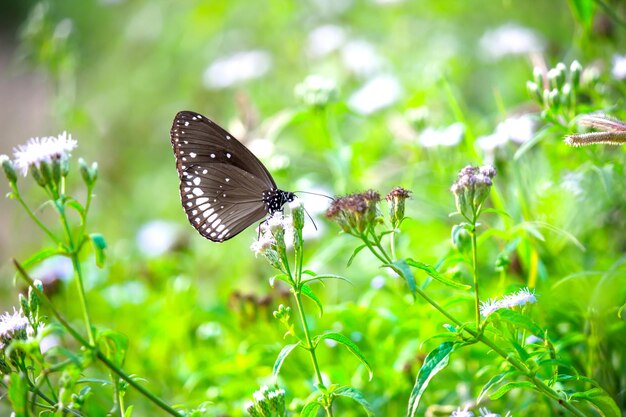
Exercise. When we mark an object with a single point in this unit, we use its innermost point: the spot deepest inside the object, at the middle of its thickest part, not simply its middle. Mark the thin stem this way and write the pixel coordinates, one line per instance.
(475, 275)
(33, 217)
(309, 344)
(99, 355)
(392, 244)
(75, 262)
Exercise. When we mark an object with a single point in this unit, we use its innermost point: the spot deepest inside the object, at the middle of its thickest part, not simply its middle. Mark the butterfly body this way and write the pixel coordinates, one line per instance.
(224, 188)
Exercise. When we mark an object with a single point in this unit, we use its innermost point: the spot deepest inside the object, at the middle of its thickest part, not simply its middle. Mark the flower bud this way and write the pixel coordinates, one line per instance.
(396, 198)
(554, 98)
(575, 72)
(538, 76)
(471, 189)
(56, 171)
(316, 91)
(24, 305)
(561, 75)
(8, 168)
(65, 167)
(567, 95)
(89, 174)
(534, 92)
(297, 214)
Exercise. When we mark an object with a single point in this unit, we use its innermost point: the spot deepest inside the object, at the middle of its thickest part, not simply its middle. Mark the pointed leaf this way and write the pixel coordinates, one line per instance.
(41, 256)
(322, 277)
(99, 245)
(311, 409)
(518, 320)
(355, 253)
(404, 270)
(601, 401)
(281, 277)
(306, 290)
(352, 347)
(432, 272)
(357, 396)
(18, 394)
(436, 360)
(284, 352)
(509, 386)
(114, 345)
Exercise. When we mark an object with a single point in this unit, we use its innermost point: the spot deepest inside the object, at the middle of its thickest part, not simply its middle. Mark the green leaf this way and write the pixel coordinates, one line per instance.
(41, 256)
(352, 347)
(436, 360)
(309, 272)
(306, 290)
(77, 206)
(281, 277)
(602, 401)
(357, 396)
(284, 352)
(495, 380)
(311, 409)
(99, 245)
(322, 277)
(509, 386)
(432, 272)
(114, 346)
(406, 273)
(18, 394)
(583, 11)
(129, 411)
(518, 320)
(496, 211)
(355, 253)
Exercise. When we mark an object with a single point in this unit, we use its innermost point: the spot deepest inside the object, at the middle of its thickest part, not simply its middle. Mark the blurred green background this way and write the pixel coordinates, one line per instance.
(114, 73)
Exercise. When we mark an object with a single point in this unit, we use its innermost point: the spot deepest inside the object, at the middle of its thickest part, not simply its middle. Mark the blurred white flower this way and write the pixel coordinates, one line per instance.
(377, 282)
(157, 237)
(261, 147)
(316, 91)
(361, 58)
(53, 269)
(45, 149)
(489, 306)
(515, 129)
(265, 242)
(326, 39)
(387, 2)
(378, 93)
(510, 39)
(619, 67)
(237, 68)
(462, 413)
(48, 342)
(572, 182)
(448, 136)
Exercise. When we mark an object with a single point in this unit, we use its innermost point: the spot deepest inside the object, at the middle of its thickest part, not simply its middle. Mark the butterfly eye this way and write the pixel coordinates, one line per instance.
(224, 188)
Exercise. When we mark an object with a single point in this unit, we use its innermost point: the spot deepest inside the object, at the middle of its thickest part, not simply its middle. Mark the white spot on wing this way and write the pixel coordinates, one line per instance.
(197, 191)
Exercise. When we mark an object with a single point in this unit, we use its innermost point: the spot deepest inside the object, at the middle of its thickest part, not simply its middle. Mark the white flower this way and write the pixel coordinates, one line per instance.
(510, 39)
(377, 282)
(462, 413)
(484, 412)
(361, 58)
(517, 129)
(236, 69)
(489, 143)
(325, 39)
(54, 268)
(448, 136)
(264, 243)
(45, 149)
(489, 306)
(12, 326)
(520, 298)
(378, 93)
(157, 237)
(619, 67)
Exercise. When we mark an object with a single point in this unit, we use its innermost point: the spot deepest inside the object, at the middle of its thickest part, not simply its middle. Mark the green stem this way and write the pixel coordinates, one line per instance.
(33, 217)
(79, 276)
(99, 355)
(475, 275)
(309, 345)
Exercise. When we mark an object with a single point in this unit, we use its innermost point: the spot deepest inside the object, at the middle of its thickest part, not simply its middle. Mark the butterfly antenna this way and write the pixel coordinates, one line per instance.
(321, 195)
(311, 218)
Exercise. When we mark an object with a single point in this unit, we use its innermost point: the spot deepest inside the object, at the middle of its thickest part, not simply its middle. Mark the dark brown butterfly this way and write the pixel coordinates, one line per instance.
(224, 188)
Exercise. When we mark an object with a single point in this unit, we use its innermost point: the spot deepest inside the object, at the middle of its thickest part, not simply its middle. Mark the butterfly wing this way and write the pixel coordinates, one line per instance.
(221, 181)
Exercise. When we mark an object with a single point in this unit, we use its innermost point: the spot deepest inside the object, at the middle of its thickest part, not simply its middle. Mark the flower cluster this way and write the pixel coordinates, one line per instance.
(472, 188)
(517, 299)
(13, 327)
(355, 213)
(267, 403)
(316, 91)
(396, 198)
(556, 89)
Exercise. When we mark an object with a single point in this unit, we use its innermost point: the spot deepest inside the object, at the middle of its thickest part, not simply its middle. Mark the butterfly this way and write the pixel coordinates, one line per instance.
(224, 188)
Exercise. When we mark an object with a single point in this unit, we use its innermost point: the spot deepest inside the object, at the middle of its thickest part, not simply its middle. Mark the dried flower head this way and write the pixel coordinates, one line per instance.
(355, 212)
(612, 131)
(45, 149)
(396, 198)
